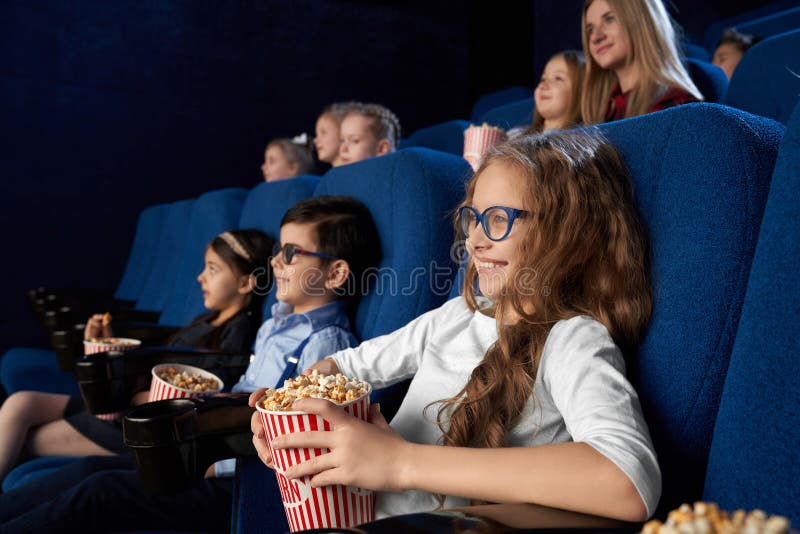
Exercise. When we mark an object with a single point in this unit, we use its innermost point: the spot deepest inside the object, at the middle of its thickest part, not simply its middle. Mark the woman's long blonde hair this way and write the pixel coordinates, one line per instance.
(584, 252)
(654, 48)
(575, 68)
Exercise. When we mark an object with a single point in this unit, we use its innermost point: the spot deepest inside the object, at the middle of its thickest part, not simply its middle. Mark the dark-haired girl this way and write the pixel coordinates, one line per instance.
(34, 423)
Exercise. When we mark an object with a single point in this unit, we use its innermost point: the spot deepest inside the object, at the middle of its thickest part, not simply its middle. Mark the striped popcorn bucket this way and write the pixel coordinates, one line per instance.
(109, 343)
(307, 508)
(106, 345)
(160, 390)
(478, 139)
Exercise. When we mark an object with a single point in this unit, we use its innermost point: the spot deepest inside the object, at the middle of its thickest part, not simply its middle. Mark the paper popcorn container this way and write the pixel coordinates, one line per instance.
(160, 390)
(306, 508)
(109, 416)
(109, 343)
(478, 139)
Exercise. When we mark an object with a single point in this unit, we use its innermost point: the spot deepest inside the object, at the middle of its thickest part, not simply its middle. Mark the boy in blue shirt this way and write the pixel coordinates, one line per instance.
(327, 243)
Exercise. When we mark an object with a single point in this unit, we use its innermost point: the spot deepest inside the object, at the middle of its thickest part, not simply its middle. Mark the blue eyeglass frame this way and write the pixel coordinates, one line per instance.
(480, 218)
(289, 251)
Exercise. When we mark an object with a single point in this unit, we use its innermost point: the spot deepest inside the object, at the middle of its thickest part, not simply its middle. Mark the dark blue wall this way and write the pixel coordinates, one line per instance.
(108, 107)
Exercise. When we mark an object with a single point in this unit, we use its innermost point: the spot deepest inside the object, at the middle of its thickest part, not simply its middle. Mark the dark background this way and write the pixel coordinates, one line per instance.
(109, 106)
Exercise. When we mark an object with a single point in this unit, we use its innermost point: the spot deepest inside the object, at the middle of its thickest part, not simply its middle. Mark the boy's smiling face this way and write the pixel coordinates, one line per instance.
(301, 283)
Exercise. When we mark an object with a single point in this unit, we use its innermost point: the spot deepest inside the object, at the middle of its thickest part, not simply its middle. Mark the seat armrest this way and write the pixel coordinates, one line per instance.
(108, 380)
(175, 441)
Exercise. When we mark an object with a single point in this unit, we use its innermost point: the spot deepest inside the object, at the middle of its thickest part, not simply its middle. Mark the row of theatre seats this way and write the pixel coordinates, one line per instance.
(766, 82)
(719, 192)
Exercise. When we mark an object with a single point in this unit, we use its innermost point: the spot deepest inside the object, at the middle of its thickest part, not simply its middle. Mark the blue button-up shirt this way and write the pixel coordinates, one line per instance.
(326, 328)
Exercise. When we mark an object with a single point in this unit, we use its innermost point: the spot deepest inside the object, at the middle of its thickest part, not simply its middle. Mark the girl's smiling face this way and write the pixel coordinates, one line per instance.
(554, 91)
(498, 185)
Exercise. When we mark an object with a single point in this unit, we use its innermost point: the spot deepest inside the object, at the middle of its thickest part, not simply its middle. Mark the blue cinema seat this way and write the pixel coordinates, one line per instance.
(701, 174)
(767, 80)
(774, 24)
(156, 286)
(498, 98)
(507, 116)
(754, 460)
(411, 195)
(176, 286)
(145, 243)
(709, 79)
(693, 51)
(444, 137)
(714, 31)
(24, 368)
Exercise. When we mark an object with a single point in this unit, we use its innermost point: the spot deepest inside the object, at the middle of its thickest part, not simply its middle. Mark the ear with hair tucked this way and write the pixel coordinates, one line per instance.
(338, 272)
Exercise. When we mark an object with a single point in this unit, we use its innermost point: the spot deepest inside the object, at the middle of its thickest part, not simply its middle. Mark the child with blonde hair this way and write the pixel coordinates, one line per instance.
(326, 132)
(367, 131)
(632, 61)
(286, 158)
(558, 94)
(519, 394)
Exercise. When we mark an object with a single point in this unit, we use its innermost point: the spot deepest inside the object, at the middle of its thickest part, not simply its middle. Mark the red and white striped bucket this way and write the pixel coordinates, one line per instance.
(160, 390)
(477, 140)
(119, 343)
(307, 508)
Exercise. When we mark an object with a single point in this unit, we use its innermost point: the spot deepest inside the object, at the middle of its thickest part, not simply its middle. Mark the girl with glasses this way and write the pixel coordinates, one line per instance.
(518, 391)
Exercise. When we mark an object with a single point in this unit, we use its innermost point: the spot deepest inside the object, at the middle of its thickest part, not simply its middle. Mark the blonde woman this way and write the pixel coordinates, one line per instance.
(630, 73)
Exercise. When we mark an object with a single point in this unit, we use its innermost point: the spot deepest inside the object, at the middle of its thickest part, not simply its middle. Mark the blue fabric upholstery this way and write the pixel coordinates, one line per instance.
(35, 369)
(445, 137)
(710, 79)
(165, 261)
(411, 195)
(766, 81)
(701, 174)
(145, 242)
(38, 467)
(694, 51)
(212, 213)
(775, 24)
(265, 206)
(519, 113)
(714, 31)
(497, 99)
(754, 461)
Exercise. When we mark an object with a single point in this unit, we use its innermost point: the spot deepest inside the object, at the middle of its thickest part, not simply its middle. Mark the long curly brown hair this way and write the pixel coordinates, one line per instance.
(583, 253)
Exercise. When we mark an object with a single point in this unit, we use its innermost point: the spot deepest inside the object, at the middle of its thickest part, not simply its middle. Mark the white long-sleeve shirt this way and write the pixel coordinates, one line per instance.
(580, 394)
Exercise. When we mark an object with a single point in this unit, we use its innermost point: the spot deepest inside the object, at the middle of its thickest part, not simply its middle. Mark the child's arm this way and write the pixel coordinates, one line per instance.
(571, 476)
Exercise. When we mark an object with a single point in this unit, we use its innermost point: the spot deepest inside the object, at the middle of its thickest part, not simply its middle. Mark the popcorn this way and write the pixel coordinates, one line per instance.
(707, 518)
(185, 380)
(335, 388)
